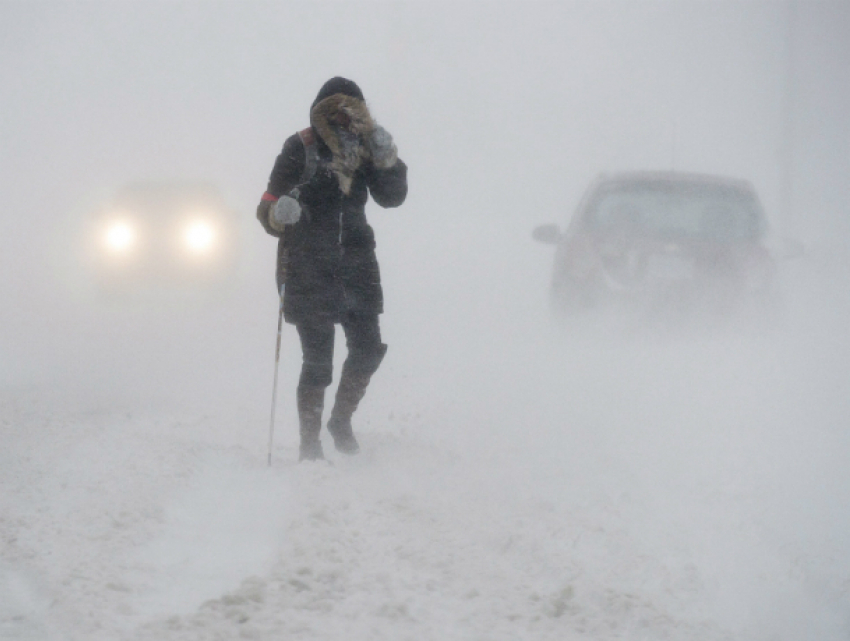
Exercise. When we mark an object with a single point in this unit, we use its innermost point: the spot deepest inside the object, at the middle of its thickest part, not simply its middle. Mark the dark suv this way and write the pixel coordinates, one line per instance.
(663, 242)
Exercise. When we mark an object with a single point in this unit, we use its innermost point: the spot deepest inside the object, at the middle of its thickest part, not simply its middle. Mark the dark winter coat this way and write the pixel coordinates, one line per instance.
(328, 256)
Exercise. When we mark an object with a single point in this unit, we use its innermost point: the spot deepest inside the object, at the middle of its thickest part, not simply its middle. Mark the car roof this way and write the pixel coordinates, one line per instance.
(671, 178)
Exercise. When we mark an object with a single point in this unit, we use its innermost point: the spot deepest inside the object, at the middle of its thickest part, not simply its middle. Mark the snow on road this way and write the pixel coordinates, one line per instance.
(118, 530)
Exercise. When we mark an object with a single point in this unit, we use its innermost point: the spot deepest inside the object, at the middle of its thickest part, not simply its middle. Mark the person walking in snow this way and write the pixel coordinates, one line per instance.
(315, 205)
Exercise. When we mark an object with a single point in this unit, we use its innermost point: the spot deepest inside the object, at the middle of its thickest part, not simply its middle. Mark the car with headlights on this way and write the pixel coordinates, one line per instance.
(664, 243)
(163, 236)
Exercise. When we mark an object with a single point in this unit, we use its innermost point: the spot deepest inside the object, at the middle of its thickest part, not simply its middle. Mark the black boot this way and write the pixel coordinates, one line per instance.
(311, 402)
(352, 387)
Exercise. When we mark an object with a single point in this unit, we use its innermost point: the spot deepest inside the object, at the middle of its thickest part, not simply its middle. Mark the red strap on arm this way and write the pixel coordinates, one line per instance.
(268, 196)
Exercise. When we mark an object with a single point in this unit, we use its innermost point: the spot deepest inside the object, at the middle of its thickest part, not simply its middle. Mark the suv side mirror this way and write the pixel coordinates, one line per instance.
(549, 234)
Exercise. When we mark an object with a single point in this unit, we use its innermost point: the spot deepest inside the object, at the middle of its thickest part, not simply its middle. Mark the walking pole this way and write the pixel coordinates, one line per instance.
(276, 368)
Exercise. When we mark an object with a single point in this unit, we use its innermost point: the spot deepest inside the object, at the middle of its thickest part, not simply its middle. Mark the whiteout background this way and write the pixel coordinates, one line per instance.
(517, 480)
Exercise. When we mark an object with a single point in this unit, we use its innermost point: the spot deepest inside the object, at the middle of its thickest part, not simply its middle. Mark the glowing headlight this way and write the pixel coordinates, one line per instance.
(120, 237)
(199, 236)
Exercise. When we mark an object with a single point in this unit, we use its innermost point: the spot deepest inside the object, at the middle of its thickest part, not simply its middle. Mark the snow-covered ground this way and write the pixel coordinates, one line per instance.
(517, 481)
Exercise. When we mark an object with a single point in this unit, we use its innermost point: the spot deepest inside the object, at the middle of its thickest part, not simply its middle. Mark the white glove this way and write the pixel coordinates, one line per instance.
(382, 148)
(286, 211)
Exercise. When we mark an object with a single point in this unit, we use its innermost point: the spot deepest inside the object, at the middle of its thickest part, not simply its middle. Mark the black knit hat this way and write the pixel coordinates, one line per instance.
(338, 85)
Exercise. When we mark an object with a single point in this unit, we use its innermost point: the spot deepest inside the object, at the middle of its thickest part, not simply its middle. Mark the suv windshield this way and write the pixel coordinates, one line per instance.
(698, 211)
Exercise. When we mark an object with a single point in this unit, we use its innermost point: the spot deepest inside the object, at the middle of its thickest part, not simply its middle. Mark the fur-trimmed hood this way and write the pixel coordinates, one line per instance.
(342, 120)
(354, 111)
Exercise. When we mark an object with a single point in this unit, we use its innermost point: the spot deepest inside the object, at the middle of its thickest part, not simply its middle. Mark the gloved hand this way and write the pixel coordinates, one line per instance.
(287, 211)
(382, 148)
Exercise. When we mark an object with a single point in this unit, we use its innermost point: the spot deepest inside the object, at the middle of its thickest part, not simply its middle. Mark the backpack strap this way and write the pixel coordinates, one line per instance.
(311, 154)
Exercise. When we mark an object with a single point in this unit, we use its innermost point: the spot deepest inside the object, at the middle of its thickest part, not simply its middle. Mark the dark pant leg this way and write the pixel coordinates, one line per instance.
(365, 353)
(317, 347)
(363, 340)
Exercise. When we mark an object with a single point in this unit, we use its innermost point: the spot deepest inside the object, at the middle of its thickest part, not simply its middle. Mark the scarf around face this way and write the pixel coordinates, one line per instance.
(344, 123)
